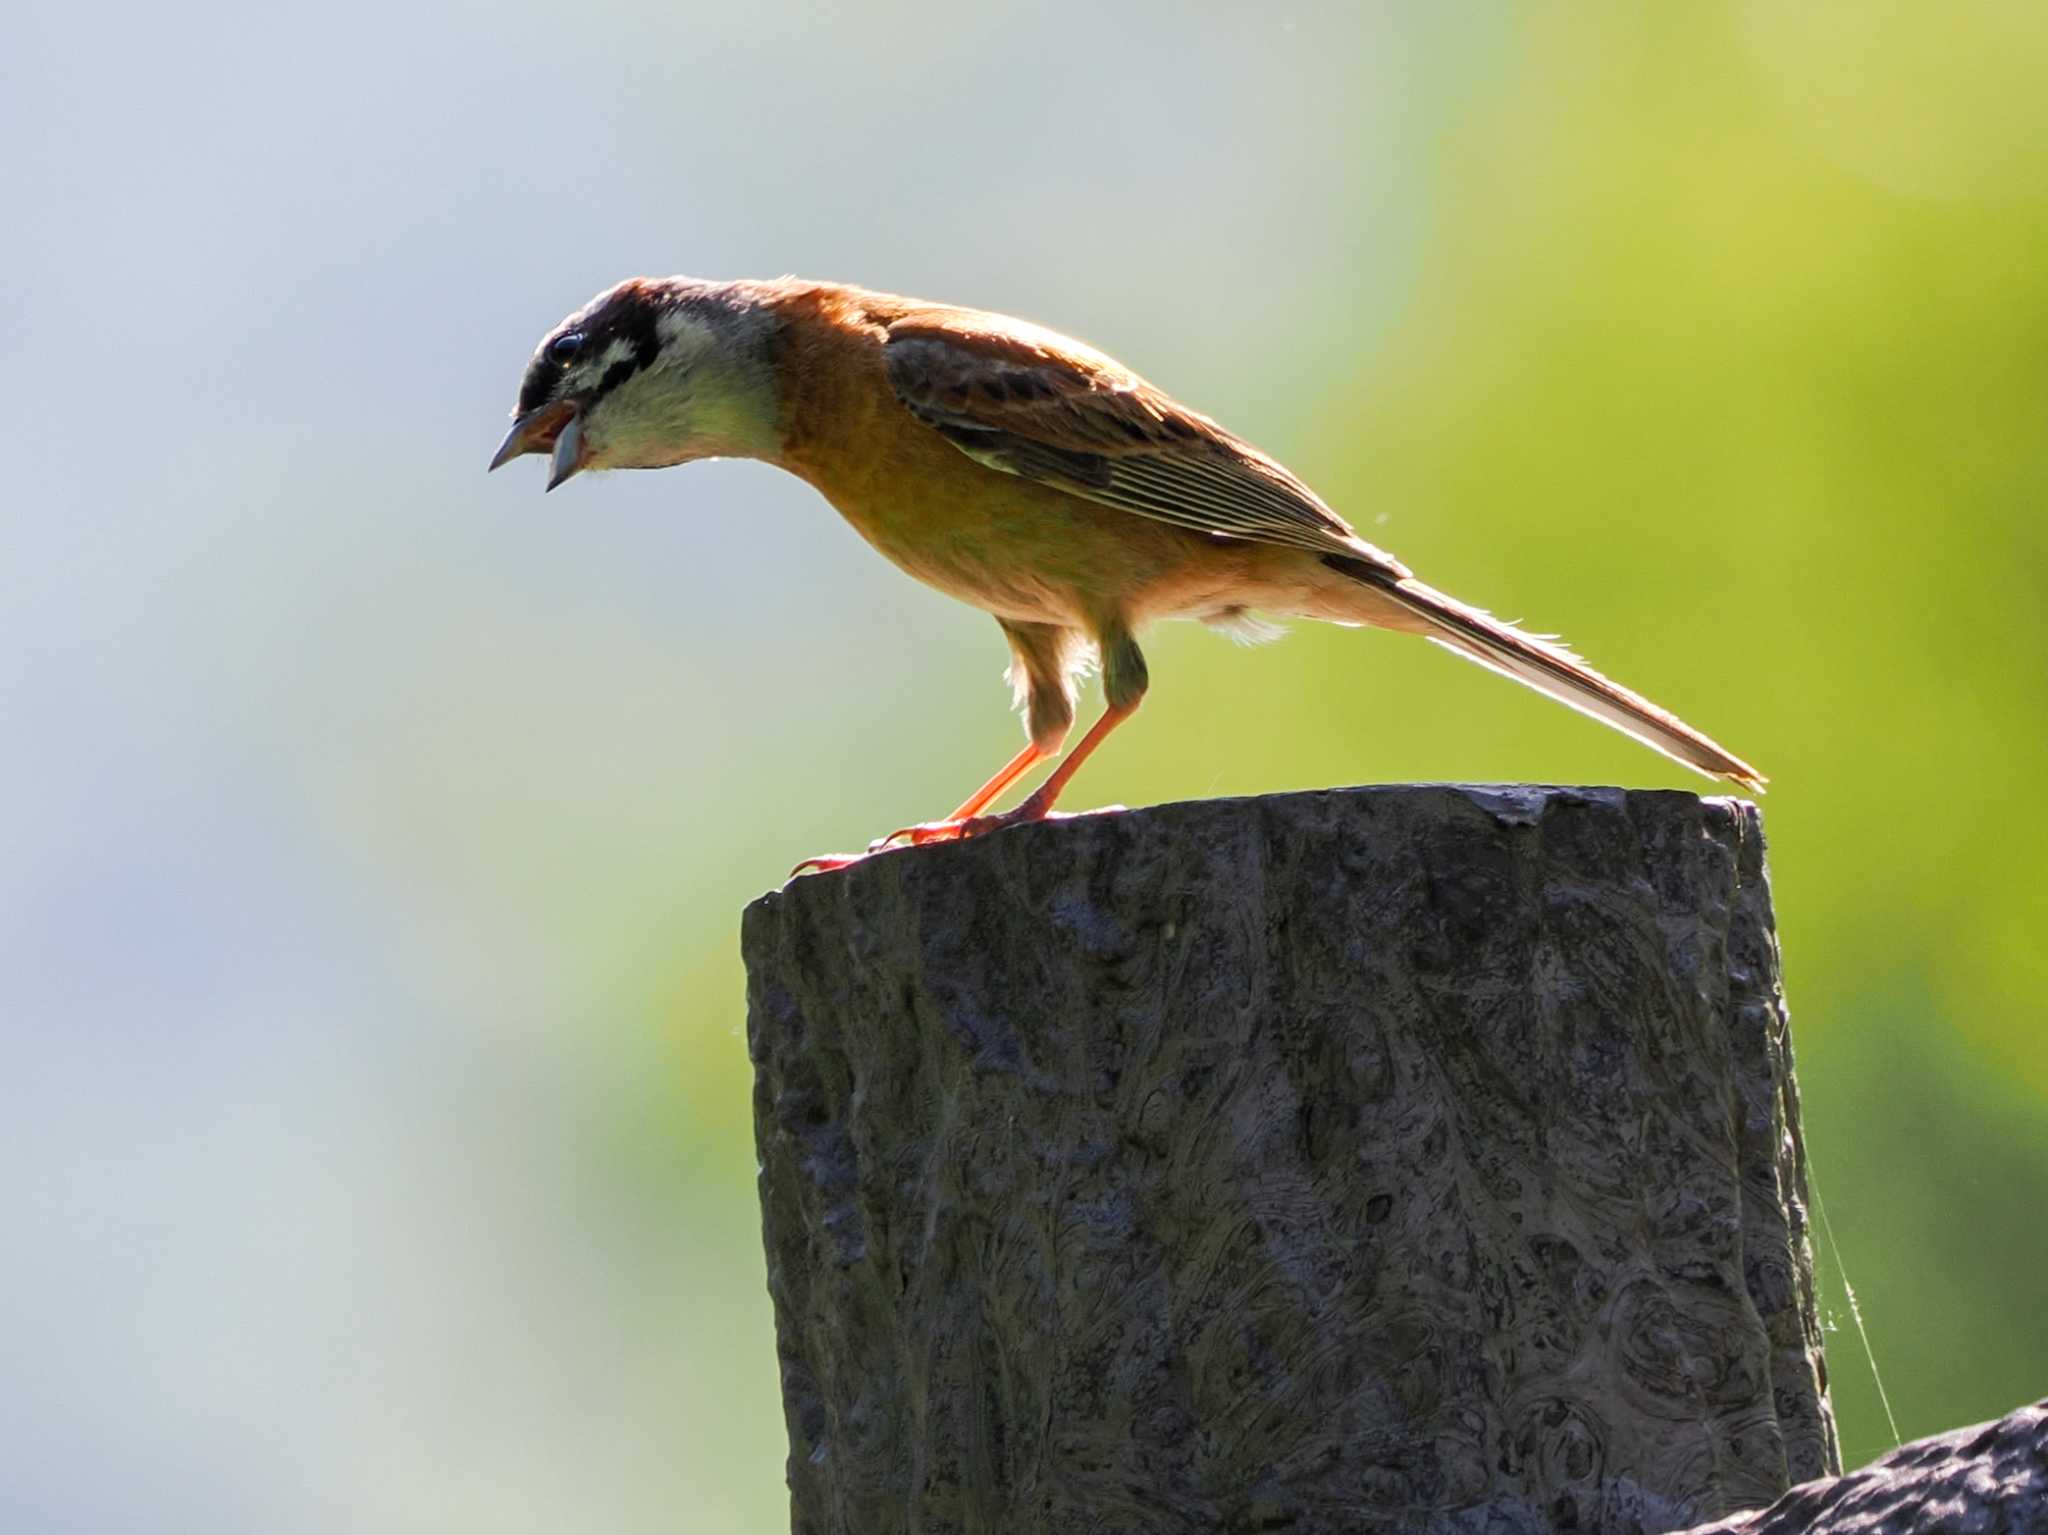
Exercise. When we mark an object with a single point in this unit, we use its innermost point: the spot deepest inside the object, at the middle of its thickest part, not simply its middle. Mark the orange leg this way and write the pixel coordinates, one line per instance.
(965, 822)
(1041, 801)
(970, 807)
(1007, 774)
(1038, 804)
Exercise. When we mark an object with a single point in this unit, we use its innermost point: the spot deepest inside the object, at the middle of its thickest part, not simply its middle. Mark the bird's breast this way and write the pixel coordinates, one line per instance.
(1010, 546)
(1013, 548)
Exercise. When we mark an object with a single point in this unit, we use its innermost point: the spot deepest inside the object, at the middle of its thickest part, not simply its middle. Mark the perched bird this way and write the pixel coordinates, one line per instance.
(1018, 470)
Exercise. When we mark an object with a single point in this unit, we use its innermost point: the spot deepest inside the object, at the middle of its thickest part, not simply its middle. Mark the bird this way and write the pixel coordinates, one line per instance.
(1021, 471)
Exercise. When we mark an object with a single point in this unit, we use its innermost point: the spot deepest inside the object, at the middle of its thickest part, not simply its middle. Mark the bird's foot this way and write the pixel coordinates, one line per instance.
(928, 832)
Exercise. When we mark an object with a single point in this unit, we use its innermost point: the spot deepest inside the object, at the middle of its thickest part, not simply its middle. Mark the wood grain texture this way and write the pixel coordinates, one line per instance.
(1988, 1479)
(1418, 1158)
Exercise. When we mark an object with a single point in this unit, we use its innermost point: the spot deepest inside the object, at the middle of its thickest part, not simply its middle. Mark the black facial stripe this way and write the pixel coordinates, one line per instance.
(635, 322)
(538, 387)
(617, 374)
(632, 315)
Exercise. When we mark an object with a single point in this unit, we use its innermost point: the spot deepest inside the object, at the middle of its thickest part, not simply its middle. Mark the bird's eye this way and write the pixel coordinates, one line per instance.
(563, 348)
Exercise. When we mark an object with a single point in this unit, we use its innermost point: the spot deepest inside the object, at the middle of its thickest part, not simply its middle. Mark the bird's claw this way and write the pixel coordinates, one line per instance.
(825, 863)
(922, 834)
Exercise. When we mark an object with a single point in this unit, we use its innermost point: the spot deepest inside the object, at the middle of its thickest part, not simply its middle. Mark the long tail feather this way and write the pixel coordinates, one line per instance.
(1551, 669)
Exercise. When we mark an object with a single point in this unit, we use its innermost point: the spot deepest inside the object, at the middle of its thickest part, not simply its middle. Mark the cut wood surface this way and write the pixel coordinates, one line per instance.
(1418, 1158)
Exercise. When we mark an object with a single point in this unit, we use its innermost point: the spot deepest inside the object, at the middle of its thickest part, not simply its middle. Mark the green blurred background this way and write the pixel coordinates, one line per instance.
(374, 834)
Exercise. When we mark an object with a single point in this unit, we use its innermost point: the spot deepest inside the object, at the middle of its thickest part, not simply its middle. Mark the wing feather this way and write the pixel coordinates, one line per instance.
(1042, 406)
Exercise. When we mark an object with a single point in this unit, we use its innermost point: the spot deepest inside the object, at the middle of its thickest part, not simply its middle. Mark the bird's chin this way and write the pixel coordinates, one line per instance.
(629, 454)
(667, 460)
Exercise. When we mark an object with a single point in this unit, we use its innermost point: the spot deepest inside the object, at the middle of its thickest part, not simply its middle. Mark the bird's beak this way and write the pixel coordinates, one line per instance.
(535, 432)
(568, 451)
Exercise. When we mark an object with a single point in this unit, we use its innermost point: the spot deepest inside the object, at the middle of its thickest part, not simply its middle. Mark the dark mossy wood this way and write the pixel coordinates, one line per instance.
(1407, 1158)
(1988, 1479)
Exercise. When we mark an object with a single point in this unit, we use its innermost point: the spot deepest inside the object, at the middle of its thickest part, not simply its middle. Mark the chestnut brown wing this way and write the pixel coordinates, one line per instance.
(1036, 404)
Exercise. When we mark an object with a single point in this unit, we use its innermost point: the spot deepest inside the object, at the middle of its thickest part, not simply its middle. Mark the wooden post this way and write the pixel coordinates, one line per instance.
(1418, 1158)
(1987, 1479)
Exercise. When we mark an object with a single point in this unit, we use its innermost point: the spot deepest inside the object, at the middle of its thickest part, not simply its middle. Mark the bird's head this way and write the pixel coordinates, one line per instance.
(653, 372)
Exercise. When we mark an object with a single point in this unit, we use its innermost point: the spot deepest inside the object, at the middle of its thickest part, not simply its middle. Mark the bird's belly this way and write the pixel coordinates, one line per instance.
(1009, 547)
(952, 559)
(1030, 553)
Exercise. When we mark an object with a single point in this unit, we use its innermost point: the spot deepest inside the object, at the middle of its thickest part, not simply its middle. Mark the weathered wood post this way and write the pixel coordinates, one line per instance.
(1418, 1158)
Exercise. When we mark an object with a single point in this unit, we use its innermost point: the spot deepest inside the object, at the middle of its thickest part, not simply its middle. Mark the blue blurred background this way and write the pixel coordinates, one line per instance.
(374, 834)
